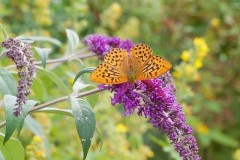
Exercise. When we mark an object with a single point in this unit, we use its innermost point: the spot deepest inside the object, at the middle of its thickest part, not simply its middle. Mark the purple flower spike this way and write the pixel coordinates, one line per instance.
(154, 99)
(101, 44)
(165, 113)
(21, 55)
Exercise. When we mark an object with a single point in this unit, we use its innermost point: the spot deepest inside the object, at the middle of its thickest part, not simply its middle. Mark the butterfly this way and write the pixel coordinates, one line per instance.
(119, 66)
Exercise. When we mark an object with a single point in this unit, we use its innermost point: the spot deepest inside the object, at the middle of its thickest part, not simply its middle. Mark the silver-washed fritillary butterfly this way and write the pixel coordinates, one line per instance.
(119, 66)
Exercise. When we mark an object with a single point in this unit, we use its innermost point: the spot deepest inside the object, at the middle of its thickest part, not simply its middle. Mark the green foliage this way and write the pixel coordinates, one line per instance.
(8, 84)
(82, 71)
(13, 122)
(56, 79)
(11, 150)
(85, 122)
(73, 40)
(43, 53)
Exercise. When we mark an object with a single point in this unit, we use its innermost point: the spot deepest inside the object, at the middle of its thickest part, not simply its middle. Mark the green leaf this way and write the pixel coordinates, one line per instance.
(1, 155)
(55, 78)
(5, 36)
(43, 53)
(25, 39)
(100, 136)
(34, 126)
(12, 150)
(8, 85)
(157, 141)
(2, 52)
(78, 86)
(38, 89)
(214, 106)
(73, 39)
(92, 98)
(3, 31)
(46, 39)
(66, 112)
(13, 122)
(85, 122)
(82, 71)
(223, 139)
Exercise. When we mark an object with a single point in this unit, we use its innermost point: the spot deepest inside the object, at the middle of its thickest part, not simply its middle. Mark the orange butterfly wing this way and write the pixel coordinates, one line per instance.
(146, 65)
(112, 70)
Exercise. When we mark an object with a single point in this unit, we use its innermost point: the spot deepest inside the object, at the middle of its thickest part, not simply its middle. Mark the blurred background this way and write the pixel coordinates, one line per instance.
(200, 38)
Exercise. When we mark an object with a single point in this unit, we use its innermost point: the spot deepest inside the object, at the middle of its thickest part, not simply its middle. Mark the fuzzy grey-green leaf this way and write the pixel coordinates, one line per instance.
(25, 39)
(82, 71)
(13, 122)
(85, 122)
(55, 78)
(73, 40)
(46, 39)
(8, 85)
(12, 150)
(43, 53)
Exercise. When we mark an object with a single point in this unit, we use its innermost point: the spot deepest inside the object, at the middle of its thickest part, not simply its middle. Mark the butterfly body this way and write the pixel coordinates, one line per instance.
(119, 66)
(131, 73)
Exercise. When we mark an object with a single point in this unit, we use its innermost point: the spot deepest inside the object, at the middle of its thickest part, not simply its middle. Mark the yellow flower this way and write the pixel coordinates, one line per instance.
(121, 128)
(40, 153)
(177, 74)
(36, 149)
(236, 154)
(130, 29)
(215, 22)
(116, 8)
(43, 20)
(185, 56)
(42, 3)
(202, 128)
(150, 154)
(201, 47)
(198, 63)
(189, 69)
(70, 80)
(36, 139)
(111, 15)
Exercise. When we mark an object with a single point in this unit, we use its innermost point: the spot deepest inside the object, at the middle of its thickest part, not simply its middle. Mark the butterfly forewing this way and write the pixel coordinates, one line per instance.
(111, 71)
(141, 52)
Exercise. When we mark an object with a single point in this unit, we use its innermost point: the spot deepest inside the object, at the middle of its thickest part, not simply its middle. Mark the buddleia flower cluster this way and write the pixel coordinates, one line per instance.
(101, 44)
(153, 99)
(22, 56)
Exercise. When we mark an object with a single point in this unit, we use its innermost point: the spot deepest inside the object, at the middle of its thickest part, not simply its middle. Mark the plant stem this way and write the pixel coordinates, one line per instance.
(64, 59)
(78, 55)
(58, 100)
